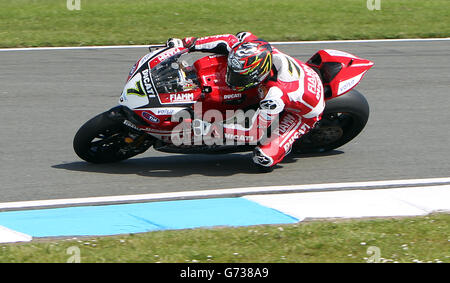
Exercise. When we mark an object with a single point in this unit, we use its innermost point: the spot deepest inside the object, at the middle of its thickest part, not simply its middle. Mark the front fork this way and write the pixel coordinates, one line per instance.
(135, 136)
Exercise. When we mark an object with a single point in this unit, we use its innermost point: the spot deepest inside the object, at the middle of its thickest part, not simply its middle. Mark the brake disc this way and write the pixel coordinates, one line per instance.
(326, 135)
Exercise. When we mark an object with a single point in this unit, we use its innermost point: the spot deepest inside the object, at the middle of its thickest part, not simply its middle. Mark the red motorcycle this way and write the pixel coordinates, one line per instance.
(165, 87)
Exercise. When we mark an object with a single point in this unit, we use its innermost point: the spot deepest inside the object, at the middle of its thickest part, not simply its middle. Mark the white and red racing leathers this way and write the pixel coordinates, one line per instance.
(293, 93)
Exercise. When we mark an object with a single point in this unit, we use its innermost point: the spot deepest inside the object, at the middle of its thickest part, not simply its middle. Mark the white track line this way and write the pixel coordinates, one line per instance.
(274, 43)
(360, 41)
(221, 192)
(74, 48)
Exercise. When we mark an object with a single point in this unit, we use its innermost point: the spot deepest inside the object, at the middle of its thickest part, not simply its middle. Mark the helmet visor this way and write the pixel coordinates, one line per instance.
(238, 81)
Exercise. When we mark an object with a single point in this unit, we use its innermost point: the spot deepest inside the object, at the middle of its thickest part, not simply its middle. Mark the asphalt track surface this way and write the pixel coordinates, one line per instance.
(47, 95)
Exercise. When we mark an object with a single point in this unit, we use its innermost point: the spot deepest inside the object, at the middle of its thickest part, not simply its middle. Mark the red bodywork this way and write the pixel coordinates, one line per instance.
(340, 72)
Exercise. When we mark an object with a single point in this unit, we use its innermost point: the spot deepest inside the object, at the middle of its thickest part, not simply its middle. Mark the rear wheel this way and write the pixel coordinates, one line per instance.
(104, 140)
(343, 119)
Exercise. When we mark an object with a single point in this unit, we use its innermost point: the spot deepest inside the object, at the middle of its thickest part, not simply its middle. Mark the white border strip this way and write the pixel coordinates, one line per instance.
(11, 236)
(221, 192)
(274, 43)
(407, 201)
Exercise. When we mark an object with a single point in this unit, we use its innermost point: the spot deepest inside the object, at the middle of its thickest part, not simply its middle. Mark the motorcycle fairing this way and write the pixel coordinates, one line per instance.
(134, 86)
(133, 94)
(153, 84)
(142, 76)
(340, 71)
(158, 120)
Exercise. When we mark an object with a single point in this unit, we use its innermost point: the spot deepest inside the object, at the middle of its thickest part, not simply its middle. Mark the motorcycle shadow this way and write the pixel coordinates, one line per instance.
(294, 156)
(212, 165)
(171, 166)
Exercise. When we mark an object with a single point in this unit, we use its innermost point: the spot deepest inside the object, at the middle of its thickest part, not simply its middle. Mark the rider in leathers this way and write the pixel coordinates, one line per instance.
(289, 90)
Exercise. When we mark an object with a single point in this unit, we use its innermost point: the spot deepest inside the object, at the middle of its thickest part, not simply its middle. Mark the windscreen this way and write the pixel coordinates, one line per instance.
(174, 75)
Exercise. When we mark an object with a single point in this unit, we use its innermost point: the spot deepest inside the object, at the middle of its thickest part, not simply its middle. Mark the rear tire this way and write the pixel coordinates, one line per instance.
(102, 140)
(343, 119)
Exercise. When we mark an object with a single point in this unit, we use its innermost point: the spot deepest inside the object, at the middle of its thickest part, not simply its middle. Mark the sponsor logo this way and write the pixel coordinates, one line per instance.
(169, 53)
(133, 69)
(146, 57)
(131, 125)
(303, 129)
(286, 124)
(150, 117)
(240, 138)
(181, 97)
(147, 83)
(314, 83)
(232, 96)
(289, 143)
(268, 104)
(346, 85)
(167, 111)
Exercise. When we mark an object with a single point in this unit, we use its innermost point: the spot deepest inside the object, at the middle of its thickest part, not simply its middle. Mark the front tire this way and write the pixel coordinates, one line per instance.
(343, 119)
(105, 140)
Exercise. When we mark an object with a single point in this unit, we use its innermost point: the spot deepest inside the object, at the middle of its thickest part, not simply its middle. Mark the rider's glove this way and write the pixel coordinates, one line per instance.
(174, 42)
(189, 42)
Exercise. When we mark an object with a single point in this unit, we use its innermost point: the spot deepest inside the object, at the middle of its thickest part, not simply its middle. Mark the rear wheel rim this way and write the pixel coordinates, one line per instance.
(332, 128)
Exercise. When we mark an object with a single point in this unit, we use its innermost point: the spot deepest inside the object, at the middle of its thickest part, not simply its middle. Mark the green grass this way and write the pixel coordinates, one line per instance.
(25, 23)
(412, 239)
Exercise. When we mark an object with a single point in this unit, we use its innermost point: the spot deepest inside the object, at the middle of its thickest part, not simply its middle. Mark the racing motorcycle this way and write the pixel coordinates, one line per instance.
(170, 80)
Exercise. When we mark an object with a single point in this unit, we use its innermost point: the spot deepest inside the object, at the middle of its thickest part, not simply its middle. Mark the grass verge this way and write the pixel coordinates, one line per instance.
(411, 239)
(26, 23)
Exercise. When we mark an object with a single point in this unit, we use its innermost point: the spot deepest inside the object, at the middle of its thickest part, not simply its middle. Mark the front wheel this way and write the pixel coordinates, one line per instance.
(104, 140)
(343, 119)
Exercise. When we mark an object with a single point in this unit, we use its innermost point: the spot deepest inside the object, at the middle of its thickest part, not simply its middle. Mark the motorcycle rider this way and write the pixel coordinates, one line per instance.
(290, 91)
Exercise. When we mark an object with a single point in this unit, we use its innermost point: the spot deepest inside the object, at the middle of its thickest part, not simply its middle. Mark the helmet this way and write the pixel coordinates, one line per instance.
(249, 63)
